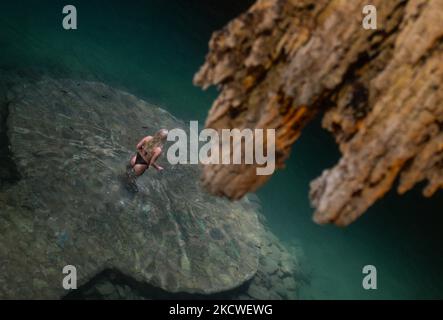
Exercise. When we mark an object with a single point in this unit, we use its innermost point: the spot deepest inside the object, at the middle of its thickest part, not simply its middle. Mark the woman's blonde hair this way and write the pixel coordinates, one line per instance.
(157, 141)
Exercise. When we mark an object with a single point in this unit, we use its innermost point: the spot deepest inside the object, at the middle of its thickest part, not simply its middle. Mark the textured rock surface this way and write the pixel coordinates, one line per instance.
(279, 274)
(282, 281)
(283, 62)
(70, 141)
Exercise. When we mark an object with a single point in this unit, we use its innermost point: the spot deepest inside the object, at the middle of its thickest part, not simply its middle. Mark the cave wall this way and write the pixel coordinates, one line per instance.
(282, 63)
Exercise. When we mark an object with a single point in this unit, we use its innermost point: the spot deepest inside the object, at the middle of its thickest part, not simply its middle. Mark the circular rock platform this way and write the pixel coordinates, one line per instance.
(70, 142)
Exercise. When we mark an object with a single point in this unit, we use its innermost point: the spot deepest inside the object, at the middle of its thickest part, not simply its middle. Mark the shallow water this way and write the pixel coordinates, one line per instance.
(152, 49)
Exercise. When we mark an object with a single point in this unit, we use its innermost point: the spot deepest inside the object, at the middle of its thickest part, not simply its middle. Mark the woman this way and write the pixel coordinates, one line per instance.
(148, 150)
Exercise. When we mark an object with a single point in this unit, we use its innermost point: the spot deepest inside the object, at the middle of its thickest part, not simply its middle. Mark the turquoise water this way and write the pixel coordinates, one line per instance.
(152, 49)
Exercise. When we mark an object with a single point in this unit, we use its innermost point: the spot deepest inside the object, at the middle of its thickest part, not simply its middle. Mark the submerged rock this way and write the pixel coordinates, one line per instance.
(265, 285)
(278, 270)
(70, 142)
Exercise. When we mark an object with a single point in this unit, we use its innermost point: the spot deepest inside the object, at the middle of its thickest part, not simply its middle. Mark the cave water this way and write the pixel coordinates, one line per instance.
(152, 49)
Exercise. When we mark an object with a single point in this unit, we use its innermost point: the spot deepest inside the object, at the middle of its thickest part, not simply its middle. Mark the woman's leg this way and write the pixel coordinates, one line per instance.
(133, 159)
(139, 169)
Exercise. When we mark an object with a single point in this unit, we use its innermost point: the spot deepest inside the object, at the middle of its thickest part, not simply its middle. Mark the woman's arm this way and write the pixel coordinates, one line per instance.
(154, 158)
(142, 142)
(157, 167)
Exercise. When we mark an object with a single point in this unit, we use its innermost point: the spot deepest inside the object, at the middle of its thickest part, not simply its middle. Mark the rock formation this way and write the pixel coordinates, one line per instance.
(279, 273)
(379, 91)
(278, 277)
(70, 141)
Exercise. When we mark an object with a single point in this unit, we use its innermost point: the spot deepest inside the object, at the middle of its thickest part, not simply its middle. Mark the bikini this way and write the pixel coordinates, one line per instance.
(140, 160)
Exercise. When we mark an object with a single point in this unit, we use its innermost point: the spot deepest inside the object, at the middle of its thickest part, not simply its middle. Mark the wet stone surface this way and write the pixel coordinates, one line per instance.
(280, 273)
(70, 141)
(282, 281)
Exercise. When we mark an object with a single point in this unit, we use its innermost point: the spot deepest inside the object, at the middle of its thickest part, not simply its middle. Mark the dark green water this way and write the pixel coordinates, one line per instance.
(152, 49)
